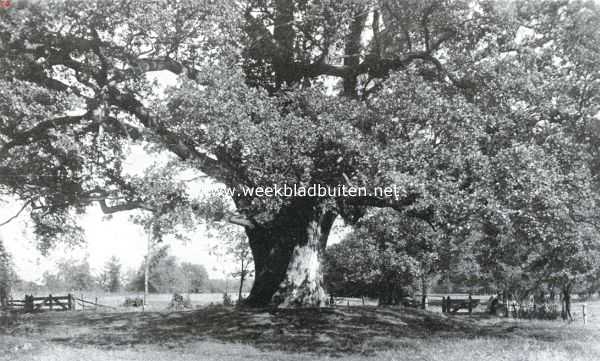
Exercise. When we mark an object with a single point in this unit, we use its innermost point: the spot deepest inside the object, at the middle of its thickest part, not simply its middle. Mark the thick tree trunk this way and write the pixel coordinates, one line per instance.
(284, 35)
(303, 282)
(287, 256)
(352, 52)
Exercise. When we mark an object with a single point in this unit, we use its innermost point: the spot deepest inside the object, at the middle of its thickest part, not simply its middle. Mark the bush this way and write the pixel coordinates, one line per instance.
(133, 302)
(544, 311)
(178, 302)
(227, 301)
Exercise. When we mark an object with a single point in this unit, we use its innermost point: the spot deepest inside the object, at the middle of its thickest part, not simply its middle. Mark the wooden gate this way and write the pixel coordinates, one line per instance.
(52, 303)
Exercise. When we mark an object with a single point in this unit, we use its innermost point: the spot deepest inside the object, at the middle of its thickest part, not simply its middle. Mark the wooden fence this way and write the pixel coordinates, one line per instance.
(53, 303)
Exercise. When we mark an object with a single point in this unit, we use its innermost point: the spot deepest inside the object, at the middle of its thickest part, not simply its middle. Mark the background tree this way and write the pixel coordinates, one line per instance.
(196, 277)
(353, 269)
(167, 213)
(233, 247)
(387, 256)
(167, 276)
(111, 275)
(7, 274)
(237, 247)
(71, 275)
(142, 280)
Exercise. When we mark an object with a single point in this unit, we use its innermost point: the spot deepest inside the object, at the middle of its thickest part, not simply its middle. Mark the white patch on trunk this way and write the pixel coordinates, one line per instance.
(303, 285)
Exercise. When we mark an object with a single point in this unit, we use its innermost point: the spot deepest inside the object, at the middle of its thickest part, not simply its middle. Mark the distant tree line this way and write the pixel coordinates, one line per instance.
(167, 275)
(7, 274)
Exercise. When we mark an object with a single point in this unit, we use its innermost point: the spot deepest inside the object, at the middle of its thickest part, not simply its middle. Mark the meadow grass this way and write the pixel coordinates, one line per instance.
(348, 333)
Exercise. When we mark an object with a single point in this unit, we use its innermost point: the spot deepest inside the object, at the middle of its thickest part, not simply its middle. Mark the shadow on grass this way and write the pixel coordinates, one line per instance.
(326, 330)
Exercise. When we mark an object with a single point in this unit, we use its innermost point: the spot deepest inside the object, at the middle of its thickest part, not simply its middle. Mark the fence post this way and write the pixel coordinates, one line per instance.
(443, 304)
(583, 313)
(51, 300)
(82, 303)
(470, 304)
(70, 302)
(505, 303)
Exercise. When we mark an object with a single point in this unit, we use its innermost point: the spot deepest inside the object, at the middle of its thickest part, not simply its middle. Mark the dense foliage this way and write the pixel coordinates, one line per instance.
(387, 257)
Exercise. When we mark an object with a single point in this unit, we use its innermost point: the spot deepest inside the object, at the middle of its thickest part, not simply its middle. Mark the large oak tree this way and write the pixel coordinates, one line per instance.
(423, 95)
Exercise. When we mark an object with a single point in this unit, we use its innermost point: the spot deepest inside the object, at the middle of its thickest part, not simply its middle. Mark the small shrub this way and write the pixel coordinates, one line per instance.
(544, 311)
(178, 302)
(227, 301)
(133, 302)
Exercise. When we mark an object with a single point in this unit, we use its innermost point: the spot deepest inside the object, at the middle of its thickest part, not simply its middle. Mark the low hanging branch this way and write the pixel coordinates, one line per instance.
(16, 215)
(239, 220)
(129, 206)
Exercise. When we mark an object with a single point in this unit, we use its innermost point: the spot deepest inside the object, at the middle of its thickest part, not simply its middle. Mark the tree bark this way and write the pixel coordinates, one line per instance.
(352, 52)
(284, 35)
(288, 255)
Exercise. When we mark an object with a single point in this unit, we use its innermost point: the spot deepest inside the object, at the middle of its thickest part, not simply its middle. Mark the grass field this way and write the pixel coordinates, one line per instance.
(155, 302)
(348, 333)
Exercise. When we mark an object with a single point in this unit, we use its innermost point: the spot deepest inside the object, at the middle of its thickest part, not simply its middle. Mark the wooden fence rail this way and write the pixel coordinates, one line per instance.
(54, 303)
(83, 302)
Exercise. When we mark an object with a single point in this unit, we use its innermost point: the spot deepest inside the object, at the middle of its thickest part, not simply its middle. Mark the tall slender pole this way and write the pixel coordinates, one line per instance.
(147, 268)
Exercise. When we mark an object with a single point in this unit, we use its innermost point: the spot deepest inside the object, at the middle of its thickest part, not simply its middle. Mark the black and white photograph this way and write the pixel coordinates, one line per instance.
(299, 180)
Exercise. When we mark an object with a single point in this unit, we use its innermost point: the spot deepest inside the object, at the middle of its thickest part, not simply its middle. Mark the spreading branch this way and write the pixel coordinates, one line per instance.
(39, 131)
